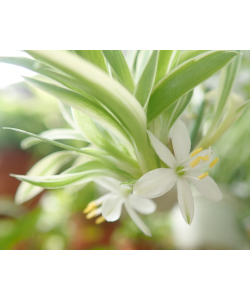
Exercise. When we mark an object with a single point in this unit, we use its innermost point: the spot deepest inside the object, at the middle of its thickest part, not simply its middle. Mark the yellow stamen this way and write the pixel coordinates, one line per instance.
(90, 207)
(194, 162)
(100, 220)
(196, 152)
(92, 214)
(213, 163)
(204, 158)
(197, 160)
(203, 175)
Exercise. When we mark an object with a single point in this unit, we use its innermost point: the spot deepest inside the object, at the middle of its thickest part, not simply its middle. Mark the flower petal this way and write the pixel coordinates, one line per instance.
(162, 151)
(206, 186)
(112, 208)
(181, 140)
(155, 183)
(109, 184)
(185, 200)
(142, 205)
(138, 221)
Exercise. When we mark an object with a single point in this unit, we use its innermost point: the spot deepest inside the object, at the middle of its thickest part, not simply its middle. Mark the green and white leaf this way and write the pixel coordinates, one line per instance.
(227, 79)
(67, 114)
(189, 54)
(169, 117)
(81, 174)
(95, 57)
(83, 104)
(146, 83)
(119, 65)
(54, 134)
(110, 93)
(168, 60)
(141, 62)
(89, 129)
(184, 78)
(48, 165)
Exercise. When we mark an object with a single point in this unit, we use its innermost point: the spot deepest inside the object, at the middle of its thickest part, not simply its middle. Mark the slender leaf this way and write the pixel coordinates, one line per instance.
(82, 103)
(146, 83)
(95, 57)
(89, 129)
(188, 54)
(130, 57)
(91, 171)
(167, 61)
(67, 114)
(141, 62)
(96, 153)
(49, 165)
(118, 63)
(227, 79)
(109, 92)
(54, 134)
(184, 78)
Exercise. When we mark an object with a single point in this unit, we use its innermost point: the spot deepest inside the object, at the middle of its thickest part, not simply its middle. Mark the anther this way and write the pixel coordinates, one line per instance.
(90, 207)
(203, 175)
(196, 152)
(213, 163)
(194, 162)
(204, 158)
(92, 214)
(100, 220)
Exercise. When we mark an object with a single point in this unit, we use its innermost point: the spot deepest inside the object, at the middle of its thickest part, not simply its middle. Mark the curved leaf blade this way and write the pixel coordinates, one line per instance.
(167, 61)
(49, 165)
(54, 134)
(83, 104)
(184, 78)
(146, 83)
(188, 54)
(95, 57)
(119, 65)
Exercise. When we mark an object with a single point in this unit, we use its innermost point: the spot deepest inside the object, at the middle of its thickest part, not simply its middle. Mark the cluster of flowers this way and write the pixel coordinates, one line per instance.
(182, 168)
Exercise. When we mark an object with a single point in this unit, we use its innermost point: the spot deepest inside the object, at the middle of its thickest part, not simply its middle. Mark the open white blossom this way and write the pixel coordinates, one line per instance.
(109, 206)
(183, 168)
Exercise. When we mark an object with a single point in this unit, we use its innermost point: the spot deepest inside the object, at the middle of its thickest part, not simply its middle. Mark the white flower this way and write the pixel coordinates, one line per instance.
(110, 205)
(183, 168)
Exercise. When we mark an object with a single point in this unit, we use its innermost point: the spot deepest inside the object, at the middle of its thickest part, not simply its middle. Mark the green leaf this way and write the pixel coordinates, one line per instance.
(67, 114)
(89, 129)
(167, 61)
(141, 62)
(146, 83)
(96, 153)
(49, 165)
(118, 100)
(95, 57)
(82, 103)
(227, 79)
(131, 56)
(44, 70)
(175, 111)
(53, 134)
(82, 174)
(188, 54)
(184, 78)
(119, 65)
(172, 114)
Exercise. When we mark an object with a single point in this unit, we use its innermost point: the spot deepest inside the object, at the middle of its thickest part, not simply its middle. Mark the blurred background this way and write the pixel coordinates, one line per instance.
(54, 219)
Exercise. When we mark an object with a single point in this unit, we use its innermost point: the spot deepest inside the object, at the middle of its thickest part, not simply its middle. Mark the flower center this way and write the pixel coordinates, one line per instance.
(179, 172)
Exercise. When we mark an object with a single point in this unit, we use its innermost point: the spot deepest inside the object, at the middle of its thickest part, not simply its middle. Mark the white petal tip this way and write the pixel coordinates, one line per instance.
(148, 233)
